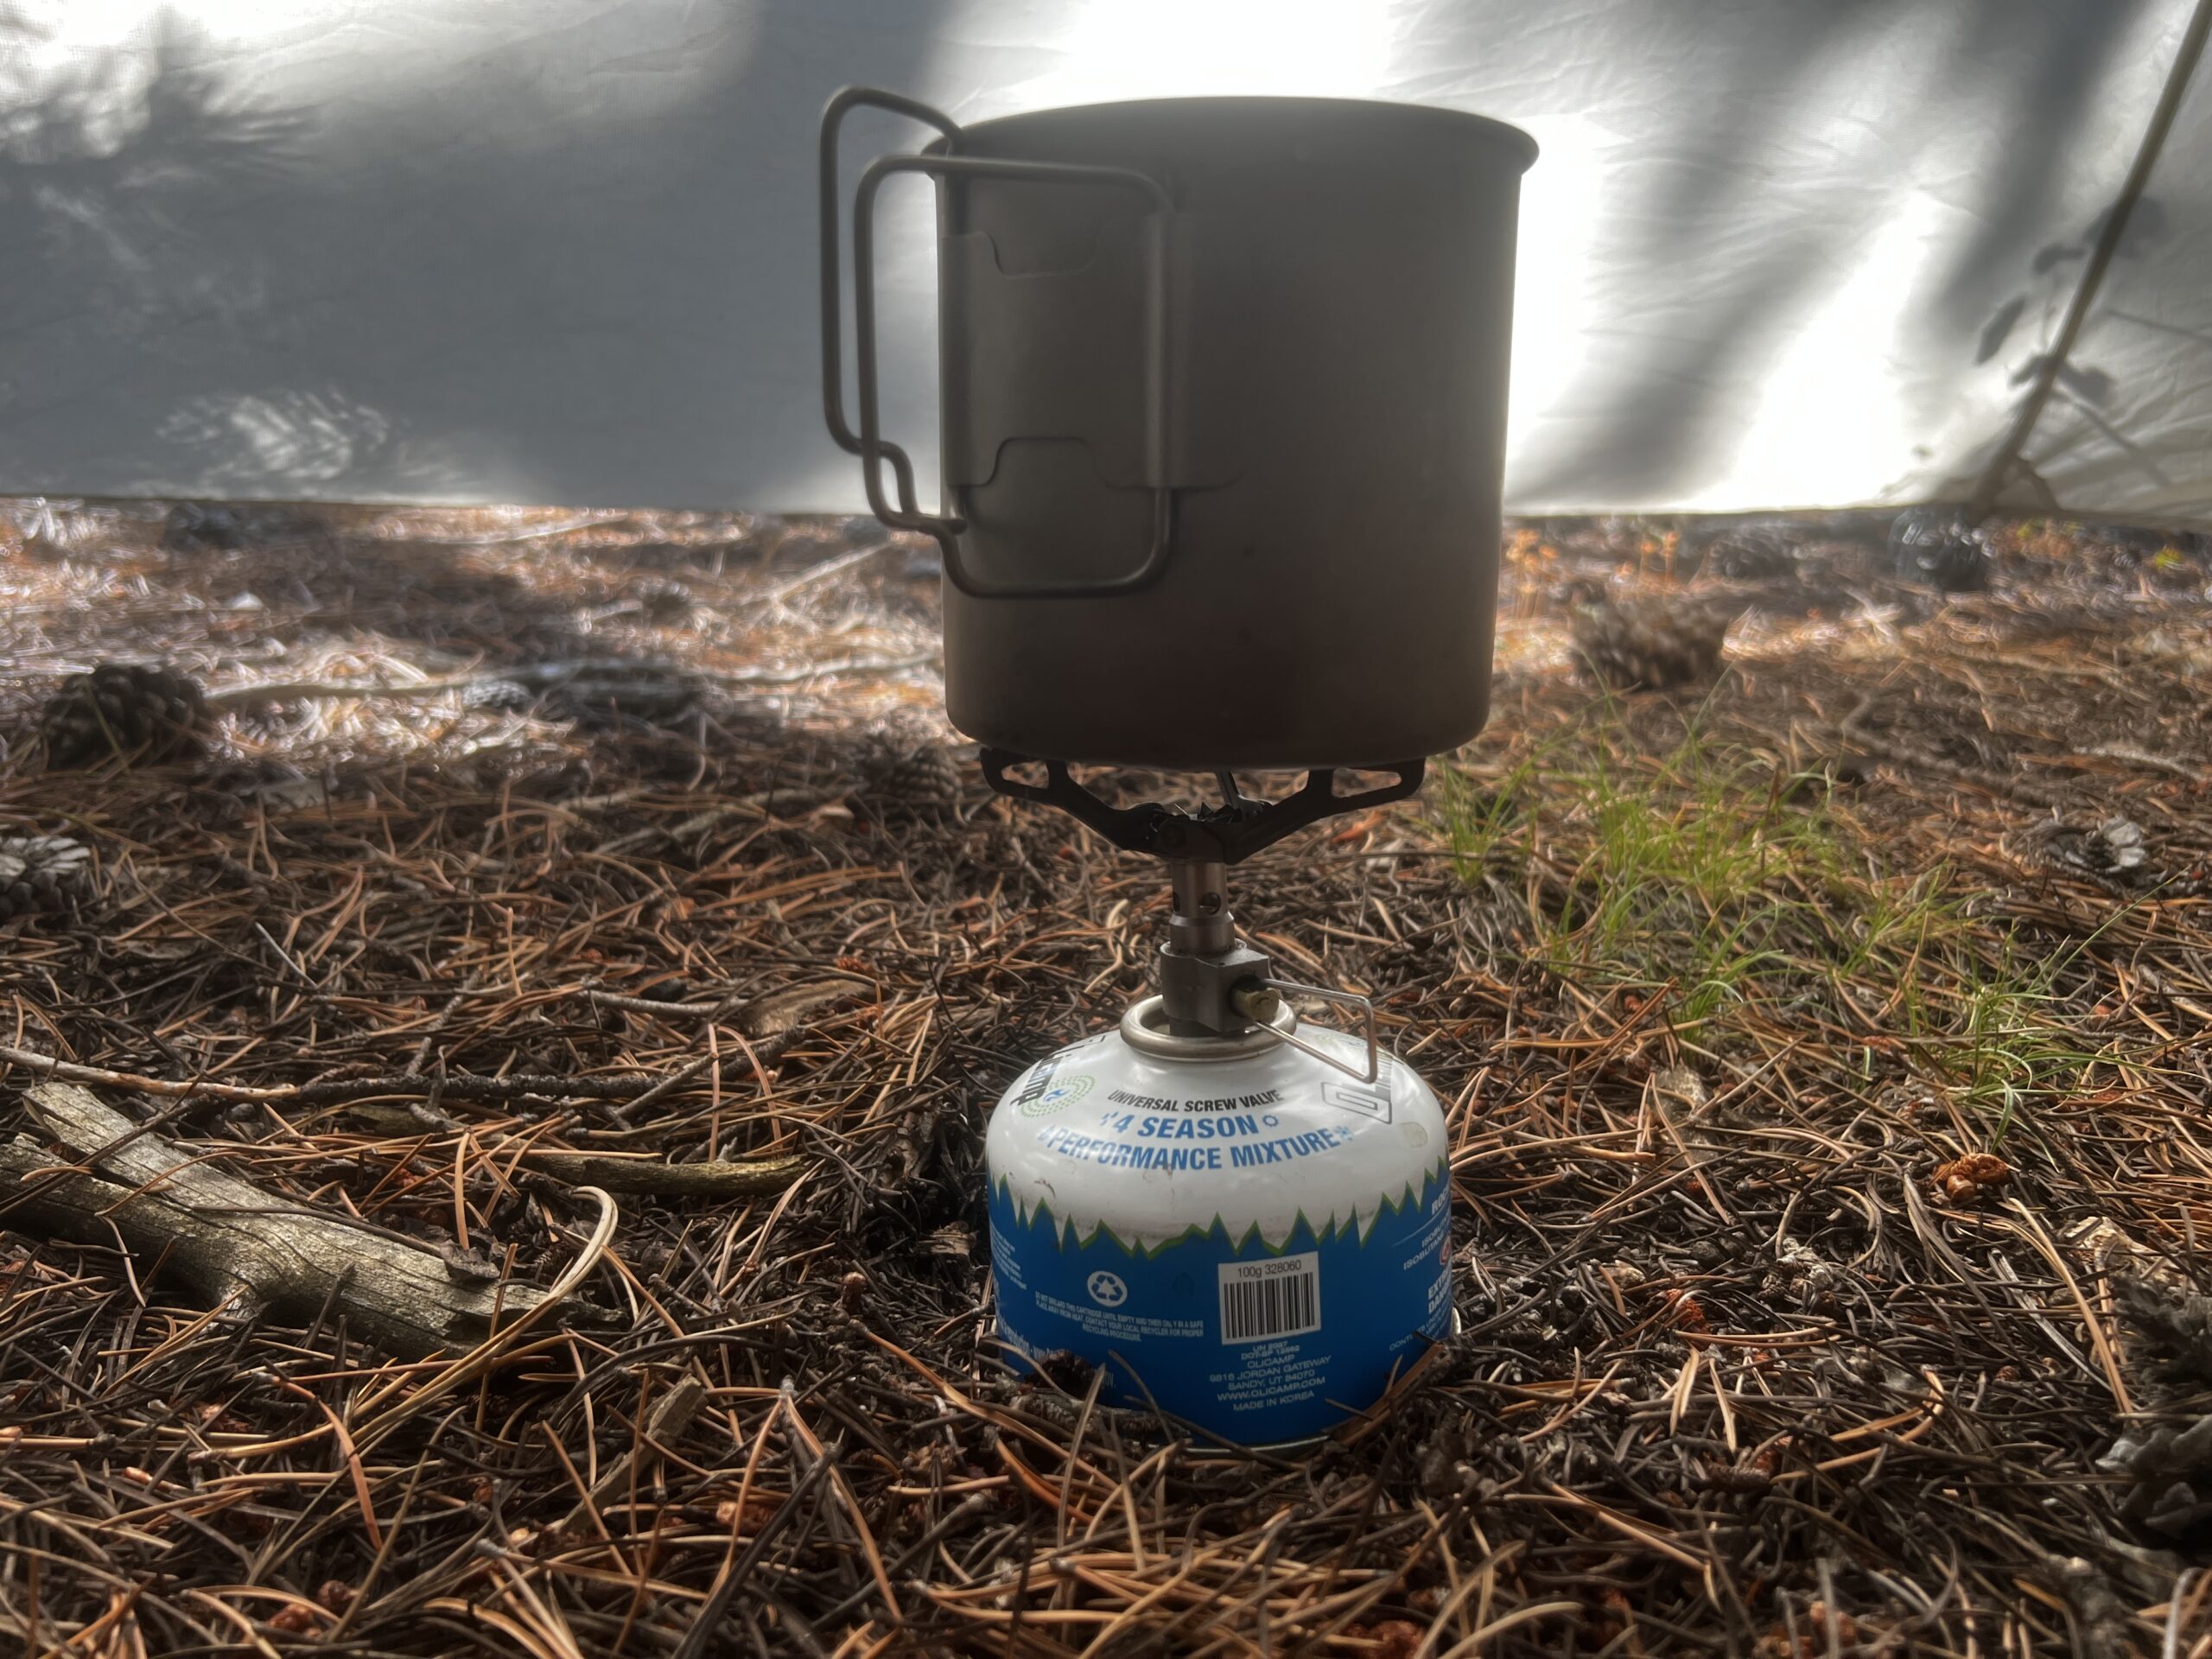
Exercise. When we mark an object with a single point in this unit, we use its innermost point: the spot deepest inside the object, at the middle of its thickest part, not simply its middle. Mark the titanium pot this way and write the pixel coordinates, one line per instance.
(1223, 416)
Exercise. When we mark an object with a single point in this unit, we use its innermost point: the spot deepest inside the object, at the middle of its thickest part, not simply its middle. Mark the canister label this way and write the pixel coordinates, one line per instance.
(1259, 1343)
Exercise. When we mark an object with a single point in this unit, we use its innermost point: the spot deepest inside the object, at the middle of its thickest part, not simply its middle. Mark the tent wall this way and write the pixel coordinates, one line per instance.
(1776, 253)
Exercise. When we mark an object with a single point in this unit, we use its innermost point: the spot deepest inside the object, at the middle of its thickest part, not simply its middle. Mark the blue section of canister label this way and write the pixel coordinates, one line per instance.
(1258, 1344)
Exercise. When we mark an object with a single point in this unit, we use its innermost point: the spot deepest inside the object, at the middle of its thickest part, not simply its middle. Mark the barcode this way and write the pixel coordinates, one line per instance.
(1282, 1298)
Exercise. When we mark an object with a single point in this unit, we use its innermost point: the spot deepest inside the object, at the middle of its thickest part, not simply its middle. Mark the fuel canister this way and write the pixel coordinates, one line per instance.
(1239, 1233)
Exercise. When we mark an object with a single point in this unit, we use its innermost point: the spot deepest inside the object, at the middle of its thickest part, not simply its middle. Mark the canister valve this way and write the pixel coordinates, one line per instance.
(1214, 984)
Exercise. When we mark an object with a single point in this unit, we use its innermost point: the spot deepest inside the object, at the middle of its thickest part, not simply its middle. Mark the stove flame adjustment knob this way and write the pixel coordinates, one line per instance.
(1257, 1001)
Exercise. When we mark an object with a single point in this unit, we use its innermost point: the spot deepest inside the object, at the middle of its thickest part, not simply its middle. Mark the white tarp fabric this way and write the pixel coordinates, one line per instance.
(1776, 253)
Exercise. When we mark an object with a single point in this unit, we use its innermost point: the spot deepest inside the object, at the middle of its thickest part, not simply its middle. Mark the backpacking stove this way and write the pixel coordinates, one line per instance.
(1221, 424)
(1245, 1220)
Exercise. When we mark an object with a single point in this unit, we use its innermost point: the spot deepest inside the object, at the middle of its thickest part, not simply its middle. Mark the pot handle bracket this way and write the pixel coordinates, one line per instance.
(868, 443)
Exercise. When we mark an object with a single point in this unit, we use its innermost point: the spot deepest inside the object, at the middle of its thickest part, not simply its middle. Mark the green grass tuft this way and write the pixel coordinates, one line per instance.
(1755, 909)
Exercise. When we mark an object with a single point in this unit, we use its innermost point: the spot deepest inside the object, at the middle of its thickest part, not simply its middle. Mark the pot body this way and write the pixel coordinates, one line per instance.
(1257, 1244)
(1304, 364)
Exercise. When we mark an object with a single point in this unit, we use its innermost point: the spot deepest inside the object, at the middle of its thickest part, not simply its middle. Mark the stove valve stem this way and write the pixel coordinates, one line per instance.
(1260, 1001)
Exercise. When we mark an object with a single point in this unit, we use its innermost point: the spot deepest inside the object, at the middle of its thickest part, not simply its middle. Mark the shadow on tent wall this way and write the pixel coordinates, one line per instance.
(200, 294)
(1677, 416)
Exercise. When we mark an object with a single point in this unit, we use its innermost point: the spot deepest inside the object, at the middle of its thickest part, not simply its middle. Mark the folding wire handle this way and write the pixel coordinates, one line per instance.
(868, 443)
(1251, 1003)
(833, 325)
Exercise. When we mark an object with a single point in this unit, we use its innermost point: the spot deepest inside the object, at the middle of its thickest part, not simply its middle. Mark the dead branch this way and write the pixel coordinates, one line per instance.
(637, 1086)
(671, 1415)
(1910, 756)
(549, 676)
(229, 1241)
(657, 1178)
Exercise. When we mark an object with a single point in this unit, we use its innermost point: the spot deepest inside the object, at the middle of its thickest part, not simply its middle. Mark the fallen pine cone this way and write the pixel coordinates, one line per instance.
(896, 779)
(122, 710)
(2163, 1458)
(596, 694)
(202, 527)
(1751, 552)
(2167, 1474)
(1964, 1179)
(40, 875)
(1657, 645)
(2172, 1325)
(1939, 550)
(2114, 851)
(1070, 1373)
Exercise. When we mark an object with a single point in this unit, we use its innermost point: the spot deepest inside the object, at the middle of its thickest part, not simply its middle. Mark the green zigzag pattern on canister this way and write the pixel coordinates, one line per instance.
(1072, 1239)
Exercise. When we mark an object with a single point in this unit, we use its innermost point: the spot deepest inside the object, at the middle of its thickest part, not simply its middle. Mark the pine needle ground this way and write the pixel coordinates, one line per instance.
(1740, 998)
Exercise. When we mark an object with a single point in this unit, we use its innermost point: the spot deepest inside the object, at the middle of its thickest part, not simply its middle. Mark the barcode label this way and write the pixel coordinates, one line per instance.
(1277, 1298)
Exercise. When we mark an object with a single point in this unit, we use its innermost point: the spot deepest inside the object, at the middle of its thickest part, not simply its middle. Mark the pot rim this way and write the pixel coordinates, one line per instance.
(1510, 137)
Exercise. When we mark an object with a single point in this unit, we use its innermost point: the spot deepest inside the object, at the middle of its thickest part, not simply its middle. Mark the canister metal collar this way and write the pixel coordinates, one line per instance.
(1144, 1028)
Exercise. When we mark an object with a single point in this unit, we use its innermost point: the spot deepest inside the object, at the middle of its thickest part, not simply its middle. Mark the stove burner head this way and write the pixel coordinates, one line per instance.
(1227, 833)
(1214, 987)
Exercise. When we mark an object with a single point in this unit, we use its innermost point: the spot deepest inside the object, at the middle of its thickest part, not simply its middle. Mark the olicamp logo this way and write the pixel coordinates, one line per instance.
(1043, 1094)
